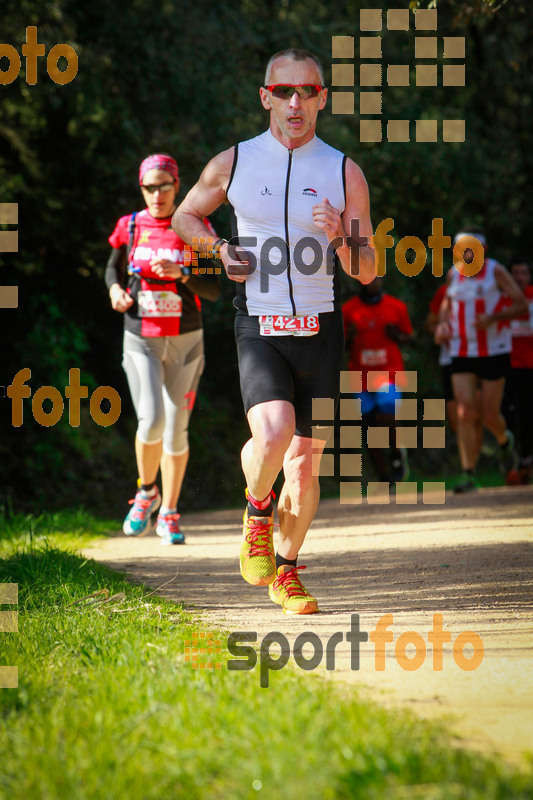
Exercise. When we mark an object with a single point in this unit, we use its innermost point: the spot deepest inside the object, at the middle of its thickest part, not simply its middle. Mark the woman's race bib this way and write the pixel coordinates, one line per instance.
(159, 304)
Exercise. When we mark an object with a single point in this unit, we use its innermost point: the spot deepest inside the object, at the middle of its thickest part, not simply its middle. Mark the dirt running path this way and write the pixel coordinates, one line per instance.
(470, 560)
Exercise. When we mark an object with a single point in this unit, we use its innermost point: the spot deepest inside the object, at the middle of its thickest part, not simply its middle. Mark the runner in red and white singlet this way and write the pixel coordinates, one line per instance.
(471, 298)
(475, 321)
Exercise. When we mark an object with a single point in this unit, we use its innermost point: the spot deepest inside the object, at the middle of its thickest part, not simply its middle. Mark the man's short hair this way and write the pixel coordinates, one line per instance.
(295, 55)
(521, 260)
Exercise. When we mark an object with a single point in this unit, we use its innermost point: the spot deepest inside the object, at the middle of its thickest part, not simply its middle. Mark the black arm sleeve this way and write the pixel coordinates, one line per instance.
(207, 287)
(116, 266)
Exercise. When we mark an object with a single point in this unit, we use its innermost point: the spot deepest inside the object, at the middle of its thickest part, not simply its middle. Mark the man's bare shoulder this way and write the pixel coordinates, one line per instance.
(218, 170)
(354, 175)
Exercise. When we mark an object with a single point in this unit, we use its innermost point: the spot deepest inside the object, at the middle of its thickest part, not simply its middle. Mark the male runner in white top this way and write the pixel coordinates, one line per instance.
(281, 374)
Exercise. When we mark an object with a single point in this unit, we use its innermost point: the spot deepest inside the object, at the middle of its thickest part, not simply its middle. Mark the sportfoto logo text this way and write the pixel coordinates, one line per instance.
(74, 392)
(31, 50)
(246, 656)
(307, 255)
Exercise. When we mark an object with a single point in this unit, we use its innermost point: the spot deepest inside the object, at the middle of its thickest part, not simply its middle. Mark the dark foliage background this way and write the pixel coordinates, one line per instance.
(183, 77)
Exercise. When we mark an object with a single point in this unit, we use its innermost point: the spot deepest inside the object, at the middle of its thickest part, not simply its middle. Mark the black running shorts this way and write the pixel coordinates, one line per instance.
(292, 368)
(446, 376)
(488, 368)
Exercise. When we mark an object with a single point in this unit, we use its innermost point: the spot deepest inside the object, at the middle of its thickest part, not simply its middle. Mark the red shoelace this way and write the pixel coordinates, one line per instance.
(291, 583)
(172, 520)
(258, 536)
(142, 505)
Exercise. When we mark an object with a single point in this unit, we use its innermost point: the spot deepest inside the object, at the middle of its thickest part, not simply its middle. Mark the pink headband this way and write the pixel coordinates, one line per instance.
(166, 163)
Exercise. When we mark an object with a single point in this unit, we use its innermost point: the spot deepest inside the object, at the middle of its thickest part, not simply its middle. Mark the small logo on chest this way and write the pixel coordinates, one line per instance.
(309, 192)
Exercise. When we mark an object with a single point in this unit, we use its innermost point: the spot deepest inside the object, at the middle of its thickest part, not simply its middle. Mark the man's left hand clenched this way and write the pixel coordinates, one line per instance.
(328, 219)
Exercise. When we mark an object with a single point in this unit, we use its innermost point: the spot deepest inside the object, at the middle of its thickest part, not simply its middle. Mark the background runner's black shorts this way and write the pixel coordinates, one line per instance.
(292, 368)
(489, 368)
(446, 375)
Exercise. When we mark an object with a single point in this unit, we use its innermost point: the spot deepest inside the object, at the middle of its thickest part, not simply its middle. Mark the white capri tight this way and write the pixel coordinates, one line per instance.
(163, 374)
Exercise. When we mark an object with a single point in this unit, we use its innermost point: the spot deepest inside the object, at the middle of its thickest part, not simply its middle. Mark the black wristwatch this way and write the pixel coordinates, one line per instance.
(217, 245)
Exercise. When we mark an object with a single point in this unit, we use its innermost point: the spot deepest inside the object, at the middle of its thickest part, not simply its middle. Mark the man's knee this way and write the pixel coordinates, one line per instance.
(272, 432)
(467, 412)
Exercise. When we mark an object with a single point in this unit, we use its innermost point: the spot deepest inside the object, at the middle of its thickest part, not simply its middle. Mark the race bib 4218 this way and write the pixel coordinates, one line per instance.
(278, 325)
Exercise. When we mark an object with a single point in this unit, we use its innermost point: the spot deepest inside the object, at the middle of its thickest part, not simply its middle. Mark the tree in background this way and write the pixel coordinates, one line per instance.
(183, 78)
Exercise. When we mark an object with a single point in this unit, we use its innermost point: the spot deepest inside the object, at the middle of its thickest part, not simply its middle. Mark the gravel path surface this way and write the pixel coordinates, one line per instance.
(469, 560)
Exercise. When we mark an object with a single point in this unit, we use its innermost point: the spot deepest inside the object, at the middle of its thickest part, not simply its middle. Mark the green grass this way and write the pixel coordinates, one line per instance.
(75, 528)
(107, 707)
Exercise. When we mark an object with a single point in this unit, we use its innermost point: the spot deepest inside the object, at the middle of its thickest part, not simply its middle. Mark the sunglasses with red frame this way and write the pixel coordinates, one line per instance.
(285, 91)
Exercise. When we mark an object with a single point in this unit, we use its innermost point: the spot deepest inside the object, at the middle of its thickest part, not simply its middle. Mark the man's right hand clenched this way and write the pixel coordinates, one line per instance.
(238, 262)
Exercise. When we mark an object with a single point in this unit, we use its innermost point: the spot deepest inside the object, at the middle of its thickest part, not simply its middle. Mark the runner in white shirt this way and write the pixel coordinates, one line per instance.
(294, 199)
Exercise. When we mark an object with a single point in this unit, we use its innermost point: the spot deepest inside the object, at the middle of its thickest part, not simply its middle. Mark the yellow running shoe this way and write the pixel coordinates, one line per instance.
(258, 562)
(289, 592)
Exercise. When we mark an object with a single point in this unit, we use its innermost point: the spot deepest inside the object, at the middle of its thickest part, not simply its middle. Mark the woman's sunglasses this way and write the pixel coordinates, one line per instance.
(155, 187)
